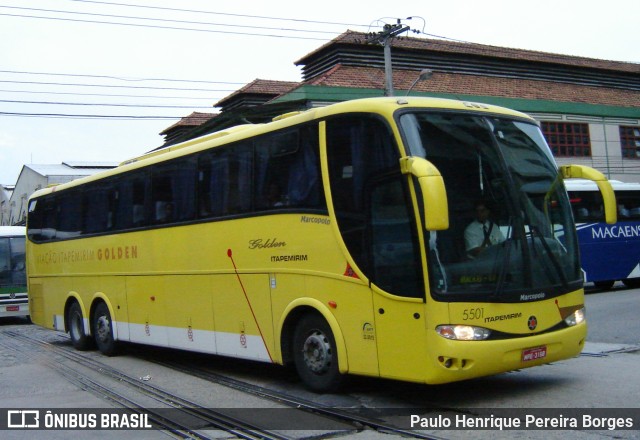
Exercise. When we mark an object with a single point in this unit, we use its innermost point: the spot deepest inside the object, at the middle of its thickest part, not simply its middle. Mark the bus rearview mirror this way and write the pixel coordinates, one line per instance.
(608, 196)
(434, 193)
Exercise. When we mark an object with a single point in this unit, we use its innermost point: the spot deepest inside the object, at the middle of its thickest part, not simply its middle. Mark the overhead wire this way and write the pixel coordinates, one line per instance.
(161, 20)
(97, 104)
(108, 95)
(115, 86)
(118, 77)
(228, 14)
(253, 34)
(74, 116)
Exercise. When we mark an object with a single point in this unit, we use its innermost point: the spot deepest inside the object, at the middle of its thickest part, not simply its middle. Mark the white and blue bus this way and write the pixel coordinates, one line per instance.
(609, 253)
(14, 300)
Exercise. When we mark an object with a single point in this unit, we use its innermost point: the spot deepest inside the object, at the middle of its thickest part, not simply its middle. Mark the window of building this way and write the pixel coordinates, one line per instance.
(567, 138)
(630, 142)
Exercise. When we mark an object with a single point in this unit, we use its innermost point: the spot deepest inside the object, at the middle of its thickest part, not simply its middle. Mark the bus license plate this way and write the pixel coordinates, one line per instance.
(531, 354)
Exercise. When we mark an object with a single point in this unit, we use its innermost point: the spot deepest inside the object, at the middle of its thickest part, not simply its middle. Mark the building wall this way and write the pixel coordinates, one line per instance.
(606, 148)
(5, 197)
(28, 182)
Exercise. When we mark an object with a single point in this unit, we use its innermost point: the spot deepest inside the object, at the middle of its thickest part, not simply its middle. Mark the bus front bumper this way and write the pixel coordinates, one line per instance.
(460, 360)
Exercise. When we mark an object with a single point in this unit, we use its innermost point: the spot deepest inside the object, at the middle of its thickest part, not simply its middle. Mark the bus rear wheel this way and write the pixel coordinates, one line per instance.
(79, 339)
(103, 330)
(315, 355)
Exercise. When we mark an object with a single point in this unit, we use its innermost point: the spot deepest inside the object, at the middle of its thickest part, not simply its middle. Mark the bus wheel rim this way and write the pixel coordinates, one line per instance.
(103, 328)
(317, 352)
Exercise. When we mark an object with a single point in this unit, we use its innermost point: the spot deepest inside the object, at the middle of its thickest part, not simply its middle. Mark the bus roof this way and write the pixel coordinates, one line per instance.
(385, 106)
(12, 231)
(588, 185)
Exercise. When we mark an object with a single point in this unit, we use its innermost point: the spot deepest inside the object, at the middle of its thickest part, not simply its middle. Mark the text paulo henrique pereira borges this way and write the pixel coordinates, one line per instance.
(527, 421)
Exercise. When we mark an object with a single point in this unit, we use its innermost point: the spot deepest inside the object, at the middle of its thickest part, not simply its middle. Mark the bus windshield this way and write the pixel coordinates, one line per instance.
(12, 264)
(511, 235)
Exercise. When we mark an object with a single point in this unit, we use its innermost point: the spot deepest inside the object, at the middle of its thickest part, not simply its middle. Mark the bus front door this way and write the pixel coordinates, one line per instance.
(397, 282)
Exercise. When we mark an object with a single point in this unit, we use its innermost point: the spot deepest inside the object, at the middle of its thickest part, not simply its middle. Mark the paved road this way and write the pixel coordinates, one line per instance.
(605, 376)
(614, 315)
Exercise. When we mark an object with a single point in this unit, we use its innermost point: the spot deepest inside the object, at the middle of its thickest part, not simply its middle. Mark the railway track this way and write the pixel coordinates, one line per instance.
(168, 411)
(349, 416)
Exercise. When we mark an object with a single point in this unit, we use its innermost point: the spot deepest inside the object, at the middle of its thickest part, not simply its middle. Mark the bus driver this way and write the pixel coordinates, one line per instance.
(482, 232)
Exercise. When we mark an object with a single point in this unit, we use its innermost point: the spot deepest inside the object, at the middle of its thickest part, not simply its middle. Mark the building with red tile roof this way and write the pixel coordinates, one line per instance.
(589, 108)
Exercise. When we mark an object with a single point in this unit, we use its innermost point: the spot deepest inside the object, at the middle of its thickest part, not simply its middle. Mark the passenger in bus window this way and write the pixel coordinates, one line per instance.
(482, 232)
(623, 211)
(164, 212)
(274, 196)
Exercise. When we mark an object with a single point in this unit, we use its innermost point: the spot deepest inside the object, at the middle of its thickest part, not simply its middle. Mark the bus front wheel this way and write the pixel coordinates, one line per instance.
(79, 339)
(315, 355)
(103, 330)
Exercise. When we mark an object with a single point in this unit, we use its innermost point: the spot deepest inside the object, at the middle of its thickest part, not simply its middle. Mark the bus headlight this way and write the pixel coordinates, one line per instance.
(575, 318)
(463, 332)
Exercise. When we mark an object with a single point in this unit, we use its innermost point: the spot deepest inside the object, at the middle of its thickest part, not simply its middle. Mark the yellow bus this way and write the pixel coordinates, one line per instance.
(331, 239)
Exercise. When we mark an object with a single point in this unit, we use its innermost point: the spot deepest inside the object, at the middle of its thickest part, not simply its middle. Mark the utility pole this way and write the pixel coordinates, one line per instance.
(384, 37)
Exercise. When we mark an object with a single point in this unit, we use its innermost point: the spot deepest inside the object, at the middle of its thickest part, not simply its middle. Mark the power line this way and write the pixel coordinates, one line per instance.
(119, 78)
(101, 104)
(218, 13)
(115, 86)
(109, 95)
(163, 27)
(162, 20)
(73, 116)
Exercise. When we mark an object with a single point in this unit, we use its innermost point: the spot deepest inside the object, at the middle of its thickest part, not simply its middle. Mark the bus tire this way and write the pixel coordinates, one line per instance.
(632, 283)
(315, 355)
(79, 339)
(103, 330)
(604, 285)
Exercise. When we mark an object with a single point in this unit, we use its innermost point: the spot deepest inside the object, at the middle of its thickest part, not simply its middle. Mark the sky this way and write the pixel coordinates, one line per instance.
(84, 80)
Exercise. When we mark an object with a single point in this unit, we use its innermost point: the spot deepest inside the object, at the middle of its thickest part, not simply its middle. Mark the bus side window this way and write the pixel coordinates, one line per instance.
(628, 205)
(623, 212)
(224, 179)
(213, 183)
(586, 206)
(173, 191)
(18, 254)
(96, 208)
(35, 219)
(70, 214)
(275, 153)
(49, 219)
(288, 170)
(4, 258)
(127, 202)
(303, 186)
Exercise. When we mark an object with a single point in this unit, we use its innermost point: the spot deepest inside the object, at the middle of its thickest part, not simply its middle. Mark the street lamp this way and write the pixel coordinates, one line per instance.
(424, 75)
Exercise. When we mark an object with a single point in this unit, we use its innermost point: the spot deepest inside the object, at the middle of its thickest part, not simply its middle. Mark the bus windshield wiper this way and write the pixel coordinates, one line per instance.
(535, 232)
(505, 265)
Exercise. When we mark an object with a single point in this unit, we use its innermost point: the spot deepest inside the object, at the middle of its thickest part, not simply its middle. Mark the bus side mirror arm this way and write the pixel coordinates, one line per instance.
(608, 196)
(434, 193)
